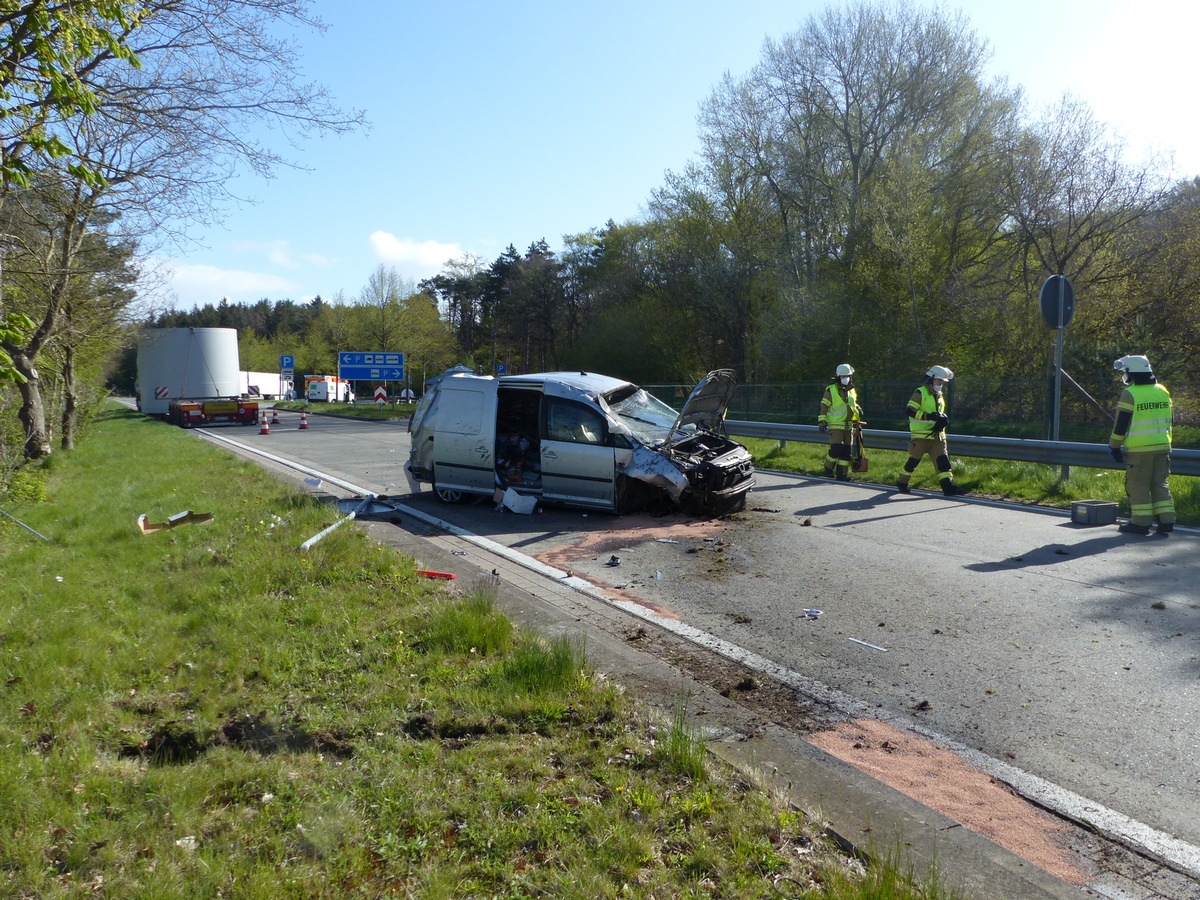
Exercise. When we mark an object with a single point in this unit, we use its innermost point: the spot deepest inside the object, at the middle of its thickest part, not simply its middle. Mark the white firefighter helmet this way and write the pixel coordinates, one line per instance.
(1129, 364)
(845, 370)
(939, 372)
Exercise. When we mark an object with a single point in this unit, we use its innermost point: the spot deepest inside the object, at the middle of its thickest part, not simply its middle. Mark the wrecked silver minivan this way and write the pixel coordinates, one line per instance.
(579, 439)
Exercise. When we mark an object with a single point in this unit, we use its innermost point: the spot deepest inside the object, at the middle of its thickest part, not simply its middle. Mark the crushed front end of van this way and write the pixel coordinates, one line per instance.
(579, 439)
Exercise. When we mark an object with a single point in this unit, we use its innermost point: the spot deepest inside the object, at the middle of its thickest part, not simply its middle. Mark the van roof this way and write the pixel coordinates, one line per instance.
(588, 382)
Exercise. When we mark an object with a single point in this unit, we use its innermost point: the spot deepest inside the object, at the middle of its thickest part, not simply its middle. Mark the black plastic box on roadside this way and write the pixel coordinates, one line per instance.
(1093, 512)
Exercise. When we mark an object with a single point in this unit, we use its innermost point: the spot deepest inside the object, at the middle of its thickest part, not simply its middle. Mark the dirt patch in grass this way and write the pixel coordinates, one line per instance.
(174, 744)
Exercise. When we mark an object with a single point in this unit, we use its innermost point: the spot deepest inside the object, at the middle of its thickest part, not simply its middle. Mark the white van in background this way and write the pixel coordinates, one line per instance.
(327, 389)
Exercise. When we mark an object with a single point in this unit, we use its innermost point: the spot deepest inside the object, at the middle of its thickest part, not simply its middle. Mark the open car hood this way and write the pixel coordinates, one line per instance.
(706, 405)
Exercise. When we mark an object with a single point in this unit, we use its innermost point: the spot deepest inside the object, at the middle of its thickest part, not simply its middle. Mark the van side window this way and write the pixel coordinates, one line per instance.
(461, 412)
(567, 421)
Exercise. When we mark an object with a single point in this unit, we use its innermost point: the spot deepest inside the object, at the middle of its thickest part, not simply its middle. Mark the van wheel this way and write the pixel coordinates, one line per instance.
(631, 495)
(448, 495)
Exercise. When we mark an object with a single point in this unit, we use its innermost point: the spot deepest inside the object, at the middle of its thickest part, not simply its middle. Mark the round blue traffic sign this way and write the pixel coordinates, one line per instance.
(1057, 293)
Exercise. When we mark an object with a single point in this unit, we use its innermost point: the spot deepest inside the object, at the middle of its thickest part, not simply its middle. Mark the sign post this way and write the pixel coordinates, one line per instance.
(1057, 299)
(287, 372)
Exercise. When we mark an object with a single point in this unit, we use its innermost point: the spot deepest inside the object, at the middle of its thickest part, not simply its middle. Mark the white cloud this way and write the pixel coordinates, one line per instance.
(279, 252)
(196, 285)
(415, 259)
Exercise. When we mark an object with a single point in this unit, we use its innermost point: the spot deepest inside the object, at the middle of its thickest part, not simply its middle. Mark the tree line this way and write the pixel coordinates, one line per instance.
(864, 194)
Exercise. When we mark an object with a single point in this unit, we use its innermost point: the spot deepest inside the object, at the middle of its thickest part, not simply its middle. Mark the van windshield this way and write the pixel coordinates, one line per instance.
(647, 418)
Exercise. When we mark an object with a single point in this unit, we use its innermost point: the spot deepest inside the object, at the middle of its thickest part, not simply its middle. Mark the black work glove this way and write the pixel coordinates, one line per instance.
(823, 428)
(1117, 453)
(940, 419)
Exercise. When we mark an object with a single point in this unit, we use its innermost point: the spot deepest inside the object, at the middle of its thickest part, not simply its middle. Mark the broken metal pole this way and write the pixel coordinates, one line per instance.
(26, 527)
(340, 522)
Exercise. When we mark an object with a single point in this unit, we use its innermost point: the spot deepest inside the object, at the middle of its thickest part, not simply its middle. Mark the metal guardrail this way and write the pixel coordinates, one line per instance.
(1055, 453)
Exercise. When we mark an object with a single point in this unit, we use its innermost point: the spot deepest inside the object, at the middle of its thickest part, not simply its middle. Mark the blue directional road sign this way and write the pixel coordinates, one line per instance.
(369, 366)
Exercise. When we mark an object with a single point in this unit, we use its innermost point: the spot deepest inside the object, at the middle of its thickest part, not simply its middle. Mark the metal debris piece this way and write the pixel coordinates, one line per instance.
(23, 525)
(813, 613)
(613, 561)
(180, 518)
(872, 646)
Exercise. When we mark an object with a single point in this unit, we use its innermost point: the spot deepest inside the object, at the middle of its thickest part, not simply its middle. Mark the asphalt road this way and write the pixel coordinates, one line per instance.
(1070, 653)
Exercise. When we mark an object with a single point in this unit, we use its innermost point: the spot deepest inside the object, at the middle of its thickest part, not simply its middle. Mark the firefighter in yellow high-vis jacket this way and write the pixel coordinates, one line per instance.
(1141, 438)
(839, 414)
(927, 422)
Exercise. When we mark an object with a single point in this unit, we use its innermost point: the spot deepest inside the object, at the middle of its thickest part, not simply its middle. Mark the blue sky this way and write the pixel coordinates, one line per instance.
(504, 123)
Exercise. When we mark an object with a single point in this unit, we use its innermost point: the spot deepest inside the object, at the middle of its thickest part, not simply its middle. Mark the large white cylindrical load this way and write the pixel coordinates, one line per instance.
(193, 363)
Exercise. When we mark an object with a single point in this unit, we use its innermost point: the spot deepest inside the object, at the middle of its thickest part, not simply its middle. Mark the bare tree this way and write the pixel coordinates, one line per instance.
(67, 275)
(218, 90)
(1073, 197)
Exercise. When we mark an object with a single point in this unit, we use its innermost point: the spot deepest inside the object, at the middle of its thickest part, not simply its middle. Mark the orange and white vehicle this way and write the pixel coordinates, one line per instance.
(327, 389)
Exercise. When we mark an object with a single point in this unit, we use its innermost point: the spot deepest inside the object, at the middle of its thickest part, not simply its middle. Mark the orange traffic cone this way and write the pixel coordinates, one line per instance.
(303, 418)
(265, 429)
(274, 415)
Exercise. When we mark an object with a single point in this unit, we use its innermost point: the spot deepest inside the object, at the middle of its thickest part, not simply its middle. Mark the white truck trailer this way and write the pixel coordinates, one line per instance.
(191, 376)
(264, 385)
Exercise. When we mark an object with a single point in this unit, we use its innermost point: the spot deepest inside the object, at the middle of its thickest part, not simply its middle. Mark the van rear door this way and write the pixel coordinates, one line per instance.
(464, 442)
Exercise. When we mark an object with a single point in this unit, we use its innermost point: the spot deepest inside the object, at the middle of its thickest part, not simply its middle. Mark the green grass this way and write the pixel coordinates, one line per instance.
(207, 712)
(363, 409)
(1019, 482)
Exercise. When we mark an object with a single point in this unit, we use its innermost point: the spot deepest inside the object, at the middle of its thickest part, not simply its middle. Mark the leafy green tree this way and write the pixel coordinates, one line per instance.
(429, 344)
(1164, 300)
(827, 128)
(49, 53)
(631, 325)
(459, 290)
(73, 281)
(14, 328)
(380, 301)
(495, 304)
(537, 306)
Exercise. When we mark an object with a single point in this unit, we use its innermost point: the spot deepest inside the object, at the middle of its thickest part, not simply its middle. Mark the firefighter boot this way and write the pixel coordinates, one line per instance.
(902, 487)
(843, 473)
(950, 489)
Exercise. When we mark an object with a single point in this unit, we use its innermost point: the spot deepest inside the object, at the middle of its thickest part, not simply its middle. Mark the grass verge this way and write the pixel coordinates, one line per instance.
(204, 711)
(1020, 482)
